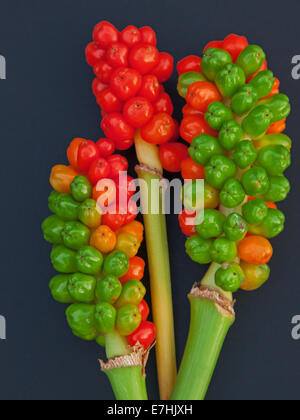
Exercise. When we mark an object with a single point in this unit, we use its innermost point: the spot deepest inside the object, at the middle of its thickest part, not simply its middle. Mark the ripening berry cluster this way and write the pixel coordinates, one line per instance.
(128, 86)
(233, 120)
(95, 247)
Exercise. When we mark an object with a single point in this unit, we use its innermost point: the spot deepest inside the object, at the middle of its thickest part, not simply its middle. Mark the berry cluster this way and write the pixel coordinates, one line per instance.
(95, 249)
(233, 120)
(128, 86)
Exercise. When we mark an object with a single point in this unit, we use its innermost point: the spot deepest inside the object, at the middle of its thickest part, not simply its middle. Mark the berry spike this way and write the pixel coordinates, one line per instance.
(137, 111)
(233, 120)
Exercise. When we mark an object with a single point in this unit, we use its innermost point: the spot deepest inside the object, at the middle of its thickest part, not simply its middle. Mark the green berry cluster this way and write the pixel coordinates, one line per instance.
(89, 277)
(245, 162)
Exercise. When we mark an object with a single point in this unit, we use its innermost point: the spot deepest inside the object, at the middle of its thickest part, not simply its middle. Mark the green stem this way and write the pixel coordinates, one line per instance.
(159, 267)
(128, 382)
(208, 330)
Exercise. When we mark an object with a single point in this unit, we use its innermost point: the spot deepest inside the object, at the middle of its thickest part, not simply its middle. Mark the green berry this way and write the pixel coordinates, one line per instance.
(232, 194)
(230, 277)
(223, 251)
(217, 113)
(203, 147)
(212, 224)
(256, 181)
(235, 227)
(255, 211)
(230, 79)
(199, 249)
(219, 170)
(245, 154)
(230, 135)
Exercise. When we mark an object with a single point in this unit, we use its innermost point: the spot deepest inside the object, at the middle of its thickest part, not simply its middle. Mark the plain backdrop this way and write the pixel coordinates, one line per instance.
(45, 102)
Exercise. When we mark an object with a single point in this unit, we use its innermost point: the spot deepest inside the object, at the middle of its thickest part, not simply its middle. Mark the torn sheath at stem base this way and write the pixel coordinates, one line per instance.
(127, 375)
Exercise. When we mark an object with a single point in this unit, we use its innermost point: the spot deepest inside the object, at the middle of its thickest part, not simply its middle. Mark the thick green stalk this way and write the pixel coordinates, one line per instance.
(128, 383)
(209, 326)
(125, 369)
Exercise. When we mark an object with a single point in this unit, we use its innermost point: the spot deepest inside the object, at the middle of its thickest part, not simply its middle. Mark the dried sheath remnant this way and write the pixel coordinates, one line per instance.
(138, 357)
(224, 305)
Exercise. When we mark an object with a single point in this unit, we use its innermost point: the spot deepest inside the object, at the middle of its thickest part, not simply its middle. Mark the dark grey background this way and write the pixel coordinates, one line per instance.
(45, 102)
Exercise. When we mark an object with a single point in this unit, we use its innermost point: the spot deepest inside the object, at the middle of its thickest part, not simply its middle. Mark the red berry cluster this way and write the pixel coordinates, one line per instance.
(128, 87)
(97, 162)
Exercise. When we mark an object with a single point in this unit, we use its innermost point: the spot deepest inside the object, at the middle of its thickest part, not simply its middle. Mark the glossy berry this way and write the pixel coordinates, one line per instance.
(126, 83)
(172, 155)
(87, 153)
(117, 55)
(103, 71)
(116, 127)
(118, 164)
(148, 36)
(106, 147)
(150, 88)
(99, 169)
(163, 104)
(98, 87)
(94, 54)
(109, 102)
(159, 130)
(131, 36)
(164, 68)
(138, 111)
(105, 34)
(144, 58)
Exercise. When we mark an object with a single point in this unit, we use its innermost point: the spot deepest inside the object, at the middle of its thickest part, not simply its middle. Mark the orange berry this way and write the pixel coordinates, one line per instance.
(135, 228)
(62, 177)
(103, 239)
(255, 250)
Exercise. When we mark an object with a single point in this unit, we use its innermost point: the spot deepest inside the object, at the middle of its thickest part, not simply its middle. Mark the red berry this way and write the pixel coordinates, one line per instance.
(164, 104)
(144, 335)
(117, 164)
(116, 127)
(103, 71)
(148, 36)
(99, 169)
(159, 130)
(171, 156)
(214, 44)
(124, 144)
(190, 63)
(187, 223)
(109, 102)
(144, 310)
(138, 111)
(87, 153)
(144, 58)
(126, 83)
(165, 66)
(106, 147)
(113, 218)
(94, 54)
(234, 45)
(131, 36)
(125, 187)
(150, 87)
(98, 87)
(117, 55)
(105, 34)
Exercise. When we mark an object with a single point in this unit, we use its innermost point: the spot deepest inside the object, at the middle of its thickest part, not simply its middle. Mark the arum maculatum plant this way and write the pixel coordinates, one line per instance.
(136, 111)
(95, 253)
(234, 121)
